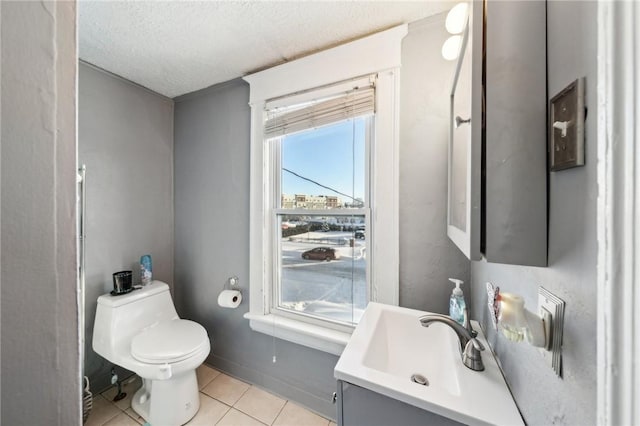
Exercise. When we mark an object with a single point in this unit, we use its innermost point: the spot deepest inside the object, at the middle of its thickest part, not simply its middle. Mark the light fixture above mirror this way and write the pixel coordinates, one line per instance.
(457, 18)
(451, 47)
(455, 24)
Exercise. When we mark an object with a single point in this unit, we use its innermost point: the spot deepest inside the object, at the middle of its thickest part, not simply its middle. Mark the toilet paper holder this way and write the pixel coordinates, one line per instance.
(231, 295)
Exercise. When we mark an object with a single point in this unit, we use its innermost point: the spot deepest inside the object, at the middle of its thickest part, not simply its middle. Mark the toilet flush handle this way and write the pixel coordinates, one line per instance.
(165, 372)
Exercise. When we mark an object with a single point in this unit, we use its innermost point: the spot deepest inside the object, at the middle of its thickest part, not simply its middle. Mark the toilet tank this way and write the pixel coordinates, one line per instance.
(120, 318)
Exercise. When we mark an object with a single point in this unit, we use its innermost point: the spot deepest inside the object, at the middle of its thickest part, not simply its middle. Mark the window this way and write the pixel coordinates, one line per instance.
(321, 268)
(324, 191)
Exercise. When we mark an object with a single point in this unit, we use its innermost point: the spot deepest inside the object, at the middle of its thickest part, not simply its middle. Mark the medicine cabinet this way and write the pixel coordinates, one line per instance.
(497, 200)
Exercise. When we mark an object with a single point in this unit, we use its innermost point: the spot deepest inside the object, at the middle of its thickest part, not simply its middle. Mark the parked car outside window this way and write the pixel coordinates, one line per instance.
(321, 253)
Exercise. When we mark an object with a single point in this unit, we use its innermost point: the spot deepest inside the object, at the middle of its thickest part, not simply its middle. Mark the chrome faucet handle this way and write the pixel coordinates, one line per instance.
(467, 324)
(471, 357)
(477, 344)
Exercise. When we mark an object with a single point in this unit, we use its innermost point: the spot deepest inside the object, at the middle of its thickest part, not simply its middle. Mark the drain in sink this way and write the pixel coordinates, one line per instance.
(420, 379)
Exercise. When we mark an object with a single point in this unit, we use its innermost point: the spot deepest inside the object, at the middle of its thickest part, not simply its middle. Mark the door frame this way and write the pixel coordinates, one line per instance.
(618, 318)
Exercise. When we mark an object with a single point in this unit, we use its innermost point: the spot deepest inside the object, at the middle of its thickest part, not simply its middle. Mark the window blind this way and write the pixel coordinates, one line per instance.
(353, 103)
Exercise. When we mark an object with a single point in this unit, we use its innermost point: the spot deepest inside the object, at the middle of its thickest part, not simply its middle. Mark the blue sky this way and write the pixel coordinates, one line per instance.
(326, 155)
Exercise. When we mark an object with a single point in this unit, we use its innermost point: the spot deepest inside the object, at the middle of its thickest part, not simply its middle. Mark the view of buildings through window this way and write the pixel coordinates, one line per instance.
(323, 256)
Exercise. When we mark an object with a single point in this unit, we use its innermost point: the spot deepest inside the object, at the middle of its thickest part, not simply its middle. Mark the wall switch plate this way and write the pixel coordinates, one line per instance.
(566, 127)
(551, 310)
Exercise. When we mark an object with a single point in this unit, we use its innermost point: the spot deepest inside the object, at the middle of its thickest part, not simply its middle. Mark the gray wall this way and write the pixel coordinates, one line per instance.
(212, 214)
(212, 244)
(40, 361)
(125, 137)
(427, 256)
(542, 397)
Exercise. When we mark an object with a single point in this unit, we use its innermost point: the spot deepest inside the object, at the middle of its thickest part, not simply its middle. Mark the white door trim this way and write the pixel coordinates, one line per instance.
(618, 213)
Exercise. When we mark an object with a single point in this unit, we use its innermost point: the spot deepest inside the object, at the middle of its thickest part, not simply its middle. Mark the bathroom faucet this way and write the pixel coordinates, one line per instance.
(470, 347)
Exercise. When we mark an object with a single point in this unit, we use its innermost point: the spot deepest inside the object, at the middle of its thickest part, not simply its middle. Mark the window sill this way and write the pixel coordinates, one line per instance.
(302, 333)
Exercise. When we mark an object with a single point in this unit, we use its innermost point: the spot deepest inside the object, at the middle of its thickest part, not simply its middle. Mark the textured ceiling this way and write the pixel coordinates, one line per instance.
(178, 47)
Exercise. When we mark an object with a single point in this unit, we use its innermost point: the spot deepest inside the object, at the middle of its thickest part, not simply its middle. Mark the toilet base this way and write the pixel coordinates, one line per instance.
(171, 402)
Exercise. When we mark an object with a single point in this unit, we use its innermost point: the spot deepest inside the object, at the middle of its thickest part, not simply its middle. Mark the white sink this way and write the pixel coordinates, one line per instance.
(399, 346)
(389, 345)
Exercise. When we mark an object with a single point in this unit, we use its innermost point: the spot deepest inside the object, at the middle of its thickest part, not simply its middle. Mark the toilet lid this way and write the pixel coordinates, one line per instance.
(169, 341)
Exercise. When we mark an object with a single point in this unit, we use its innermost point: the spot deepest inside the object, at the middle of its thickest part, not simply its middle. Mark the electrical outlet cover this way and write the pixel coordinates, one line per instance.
(553, 306)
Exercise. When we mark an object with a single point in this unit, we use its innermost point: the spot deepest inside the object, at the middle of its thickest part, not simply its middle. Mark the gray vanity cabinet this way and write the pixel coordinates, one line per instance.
(358, 406)
(505, 203)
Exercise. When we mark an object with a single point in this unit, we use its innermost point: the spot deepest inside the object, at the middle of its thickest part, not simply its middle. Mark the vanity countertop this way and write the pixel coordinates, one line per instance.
(389, 345)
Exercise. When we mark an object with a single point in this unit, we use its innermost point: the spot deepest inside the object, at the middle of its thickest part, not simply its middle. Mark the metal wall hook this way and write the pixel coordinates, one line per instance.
(459, 121)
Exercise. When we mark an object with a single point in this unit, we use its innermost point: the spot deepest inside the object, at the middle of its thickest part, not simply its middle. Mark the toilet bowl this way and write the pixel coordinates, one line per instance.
(141, 331)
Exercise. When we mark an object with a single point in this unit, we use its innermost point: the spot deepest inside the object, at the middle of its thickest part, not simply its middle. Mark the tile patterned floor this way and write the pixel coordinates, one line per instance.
(224, 401)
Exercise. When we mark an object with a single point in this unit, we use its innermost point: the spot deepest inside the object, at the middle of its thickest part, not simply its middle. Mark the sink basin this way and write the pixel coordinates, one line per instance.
(399, 346)
(389, 346)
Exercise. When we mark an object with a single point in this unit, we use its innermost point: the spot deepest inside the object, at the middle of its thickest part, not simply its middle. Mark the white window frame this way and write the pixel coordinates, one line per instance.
(378, 54)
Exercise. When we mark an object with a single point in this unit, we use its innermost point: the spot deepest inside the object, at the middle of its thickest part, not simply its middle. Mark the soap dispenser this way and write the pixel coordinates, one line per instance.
(457, 305)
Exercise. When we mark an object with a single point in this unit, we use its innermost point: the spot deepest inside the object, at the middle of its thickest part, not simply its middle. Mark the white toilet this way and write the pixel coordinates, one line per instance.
(141, 331)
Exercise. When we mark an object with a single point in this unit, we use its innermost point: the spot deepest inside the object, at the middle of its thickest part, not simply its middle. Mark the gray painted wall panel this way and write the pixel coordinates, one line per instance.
(212, 213)
(427, 256)
(571, 274)
(125, 138)
(39, 347)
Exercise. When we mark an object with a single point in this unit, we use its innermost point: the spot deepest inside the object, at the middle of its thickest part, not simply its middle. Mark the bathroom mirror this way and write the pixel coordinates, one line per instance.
(463, 171)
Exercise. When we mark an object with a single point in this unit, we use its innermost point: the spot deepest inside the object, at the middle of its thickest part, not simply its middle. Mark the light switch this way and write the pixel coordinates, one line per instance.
(566, 133)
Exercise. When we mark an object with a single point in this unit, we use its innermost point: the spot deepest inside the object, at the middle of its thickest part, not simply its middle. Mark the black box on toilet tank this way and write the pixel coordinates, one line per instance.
(122, 282)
